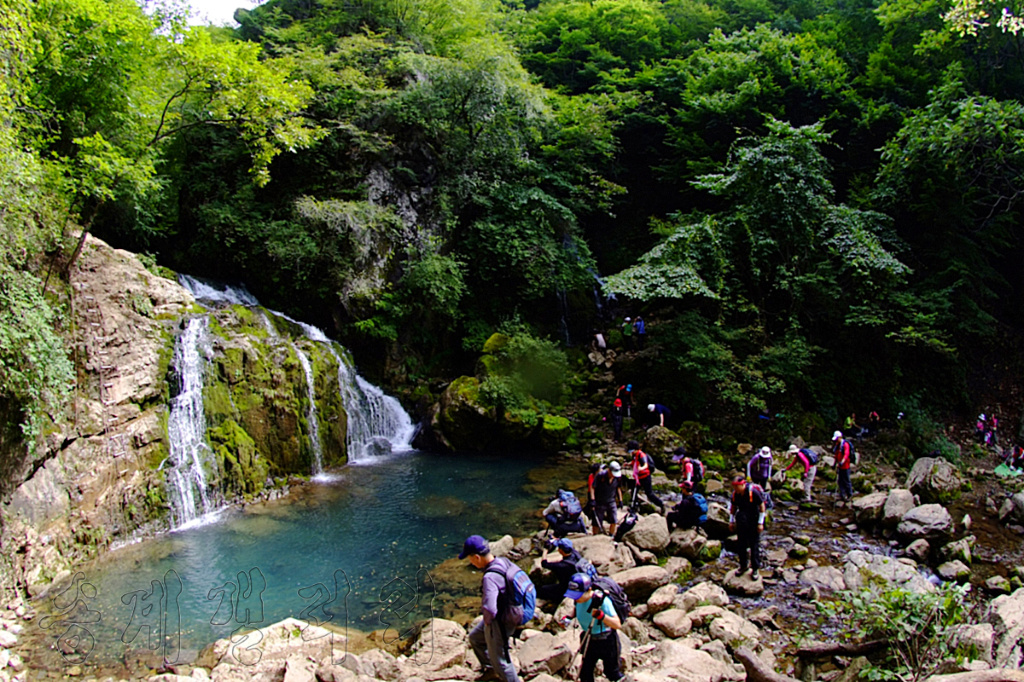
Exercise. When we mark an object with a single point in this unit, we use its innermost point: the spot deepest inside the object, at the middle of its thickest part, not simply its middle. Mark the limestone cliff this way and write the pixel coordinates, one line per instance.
(97, 476)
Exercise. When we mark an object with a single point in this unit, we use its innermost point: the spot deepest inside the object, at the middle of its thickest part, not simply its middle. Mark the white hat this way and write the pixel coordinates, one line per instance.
(837, 435)
(616, 469)
(628, 320)
(766, 451)
(651, 407)
(793, 448)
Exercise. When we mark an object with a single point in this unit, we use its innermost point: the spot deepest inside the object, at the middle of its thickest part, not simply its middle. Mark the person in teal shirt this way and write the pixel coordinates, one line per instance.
(596, 615)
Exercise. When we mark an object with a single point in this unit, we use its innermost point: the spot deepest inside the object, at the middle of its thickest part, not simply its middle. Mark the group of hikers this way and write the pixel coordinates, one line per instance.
(509, 597)
(622, 408)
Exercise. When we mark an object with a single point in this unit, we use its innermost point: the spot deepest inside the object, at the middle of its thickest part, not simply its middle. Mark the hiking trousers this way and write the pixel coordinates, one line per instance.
(606, 650)
(749, 542)
(809, 481)
(645, 485)
(845, 485)
(491, 649)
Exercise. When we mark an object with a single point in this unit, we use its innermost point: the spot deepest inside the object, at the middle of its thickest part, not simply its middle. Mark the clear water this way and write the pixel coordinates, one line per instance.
(384, 529)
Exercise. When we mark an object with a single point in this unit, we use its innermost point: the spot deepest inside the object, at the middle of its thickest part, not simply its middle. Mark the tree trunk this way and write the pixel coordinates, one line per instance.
(826, 649)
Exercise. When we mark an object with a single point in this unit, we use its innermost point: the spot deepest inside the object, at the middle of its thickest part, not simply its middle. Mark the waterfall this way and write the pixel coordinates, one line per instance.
(185, 472)
(377, 424)
(311, 414)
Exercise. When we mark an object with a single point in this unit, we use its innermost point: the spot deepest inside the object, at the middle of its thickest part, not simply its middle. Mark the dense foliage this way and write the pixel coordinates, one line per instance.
(817, 204)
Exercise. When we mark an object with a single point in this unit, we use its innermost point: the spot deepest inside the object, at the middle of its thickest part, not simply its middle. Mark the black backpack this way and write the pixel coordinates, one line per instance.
(606, 587)
(698, 470)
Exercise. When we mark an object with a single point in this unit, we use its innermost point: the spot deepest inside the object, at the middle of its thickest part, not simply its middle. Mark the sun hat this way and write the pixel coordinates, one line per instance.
(793, 449)
(766, 451)
(475, 544)
(837, 435)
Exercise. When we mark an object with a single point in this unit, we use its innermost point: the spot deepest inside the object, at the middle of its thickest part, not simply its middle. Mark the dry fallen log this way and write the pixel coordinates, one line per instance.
(993, 675)
(758, 671)
(826, 649)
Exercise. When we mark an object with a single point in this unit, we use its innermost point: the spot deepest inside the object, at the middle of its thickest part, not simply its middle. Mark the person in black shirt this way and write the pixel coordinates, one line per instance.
(607, 496)
(564, 567)
(746, 519)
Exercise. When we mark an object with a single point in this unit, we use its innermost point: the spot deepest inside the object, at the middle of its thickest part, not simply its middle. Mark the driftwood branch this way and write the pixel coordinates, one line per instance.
(825, 649)
(759, 672)
(993, 675)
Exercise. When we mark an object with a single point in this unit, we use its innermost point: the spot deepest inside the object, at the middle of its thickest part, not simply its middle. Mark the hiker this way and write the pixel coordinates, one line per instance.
(590, 508)
(852, 427)
(691, 469)
(661, 413)
(565, 514)
(627, 334)
(689, 512)
(809, 459)
(843, 451)
(596, 615)
(598, 344)
(641, 331)
(759, 470)
(1015, 457)
(616, 416)
(489, 639)
(564, 566)
(992, 430)
(874, 423)
(746, 519)
(607, 497)
(625, 393)
(980, 427)
(643, 467)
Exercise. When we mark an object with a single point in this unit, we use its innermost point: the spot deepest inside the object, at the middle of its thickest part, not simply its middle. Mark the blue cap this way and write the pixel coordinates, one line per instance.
(564, 543)
(578, 586)
(629, 387)
(475, 544)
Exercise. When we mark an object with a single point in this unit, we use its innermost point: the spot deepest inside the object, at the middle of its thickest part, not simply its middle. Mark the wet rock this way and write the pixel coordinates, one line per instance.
(663, 599)
(799, 551)
(868, 509)
(935, 481)
(824, 577)
(929, 521)
(958, 550)
(802, 539)
(897, 504)
(743, 584)
(717, 525)
(677, 567)
(640, 583)
(998, 584)
(703, 594)
(918, 550)
(862, 568)
(954, 570)
(503, 546)
(673, 622)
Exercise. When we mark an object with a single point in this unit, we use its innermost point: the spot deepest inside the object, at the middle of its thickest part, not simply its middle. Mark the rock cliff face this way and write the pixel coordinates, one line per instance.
(98, 474)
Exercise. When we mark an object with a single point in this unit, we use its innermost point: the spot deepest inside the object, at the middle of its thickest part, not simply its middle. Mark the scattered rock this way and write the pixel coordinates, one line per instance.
(862, 568)
(641, 582)
(918, 550)
(662, 599)
(824, 577)
(954, 570)
(929, 521)
(897, 504)
(674, 623)
(935, 481)
(997, 584)
(743, 584)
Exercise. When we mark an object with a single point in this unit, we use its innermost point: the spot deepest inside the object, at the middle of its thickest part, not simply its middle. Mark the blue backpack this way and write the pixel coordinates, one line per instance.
(570, 505)
(518, 603)
(584, 565)
(811, 455)
(702, 504)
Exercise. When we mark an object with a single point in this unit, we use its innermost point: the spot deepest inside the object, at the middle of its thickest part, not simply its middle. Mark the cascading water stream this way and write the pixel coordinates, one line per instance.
(186, 467)
(311, 413)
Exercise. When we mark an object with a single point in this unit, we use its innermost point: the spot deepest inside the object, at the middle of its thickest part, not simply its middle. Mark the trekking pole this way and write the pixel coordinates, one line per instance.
(584, 644)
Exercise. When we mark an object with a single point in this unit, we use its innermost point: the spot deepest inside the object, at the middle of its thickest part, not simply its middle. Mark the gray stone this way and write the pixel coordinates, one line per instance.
(954, 570)
(608, 556)
(641, 582)
(929, 521)
(977, 637)
(717, 525)
(868, 509)
(650, 533)
(918, 550)
(502, 546)
(824, 577)
(935, 481)
(687, 543)
(541, 653)
(862, 568)
(662, 599)
(743, 584)
(702, 594)
(674, 623)
(959, 550)
(1006, 615)
(733, 630)
(897, 504)
(997, 584)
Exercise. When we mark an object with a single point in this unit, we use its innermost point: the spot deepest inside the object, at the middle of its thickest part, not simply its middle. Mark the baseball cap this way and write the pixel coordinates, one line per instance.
(651, 407)
(629, 387)
(475, 544)
(618, 402)
(616, 469)
(837, 435)
(564, 543)
(578, 586)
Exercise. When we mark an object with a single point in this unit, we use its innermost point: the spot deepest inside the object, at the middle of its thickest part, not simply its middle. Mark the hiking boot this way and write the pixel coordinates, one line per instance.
(755, 575)
(489, 675)
(741, 571)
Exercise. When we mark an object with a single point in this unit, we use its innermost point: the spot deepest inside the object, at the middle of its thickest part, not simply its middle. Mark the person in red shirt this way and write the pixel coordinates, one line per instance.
(809, 460)
(643, 467)
(843, 451)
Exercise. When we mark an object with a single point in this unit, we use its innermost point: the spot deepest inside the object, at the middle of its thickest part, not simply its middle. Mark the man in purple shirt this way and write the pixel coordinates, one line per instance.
(489, 639)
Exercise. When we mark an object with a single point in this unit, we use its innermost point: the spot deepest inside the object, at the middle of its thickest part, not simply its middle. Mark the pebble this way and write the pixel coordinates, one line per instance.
(7, 639)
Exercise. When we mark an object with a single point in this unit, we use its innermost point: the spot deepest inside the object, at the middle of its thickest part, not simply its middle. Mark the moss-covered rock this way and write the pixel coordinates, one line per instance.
(554, 432)
(495, 343)
(245, 472)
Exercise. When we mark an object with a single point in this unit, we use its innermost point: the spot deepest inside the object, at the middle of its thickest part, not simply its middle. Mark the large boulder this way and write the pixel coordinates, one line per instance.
(824, 577)
(868, 509)
(958, 550)
(663, 599)
(928, 521)
(673, 622)
(687, 543)
(607, 555)
(935, 480)
(641, 582)
(863, 569)
(734, 630)
(1006, 615)
(897, 504)
(681, 663)
(650, 533)
(659, 442)
(717, 525)
(544, 653)
(702, 594)
(744, 584)
(1012, 509)
(441, 644)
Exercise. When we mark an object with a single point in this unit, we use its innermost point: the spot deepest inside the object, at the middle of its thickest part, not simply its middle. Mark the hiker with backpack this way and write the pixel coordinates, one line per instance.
(809, 459)
(746, 519)
(640, 327)
(508, 600)
(689, 512)
(616, 416)
(597, 614)
(625, 394)
(661, 413)
(568, 563)
(607, 497)
(844, 453)
(759, 470)
(565, 514)
(643, 468)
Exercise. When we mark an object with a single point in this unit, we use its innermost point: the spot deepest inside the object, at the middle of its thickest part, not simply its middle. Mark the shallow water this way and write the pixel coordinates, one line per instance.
(358, 549)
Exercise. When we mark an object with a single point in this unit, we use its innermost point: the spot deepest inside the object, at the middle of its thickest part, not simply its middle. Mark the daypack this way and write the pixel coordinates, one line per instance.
(698, 471)
(627, 525)
(585, 565)
(702, 504)
(606, 587)
(518, 603)
(811, 456)
(570, 505)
